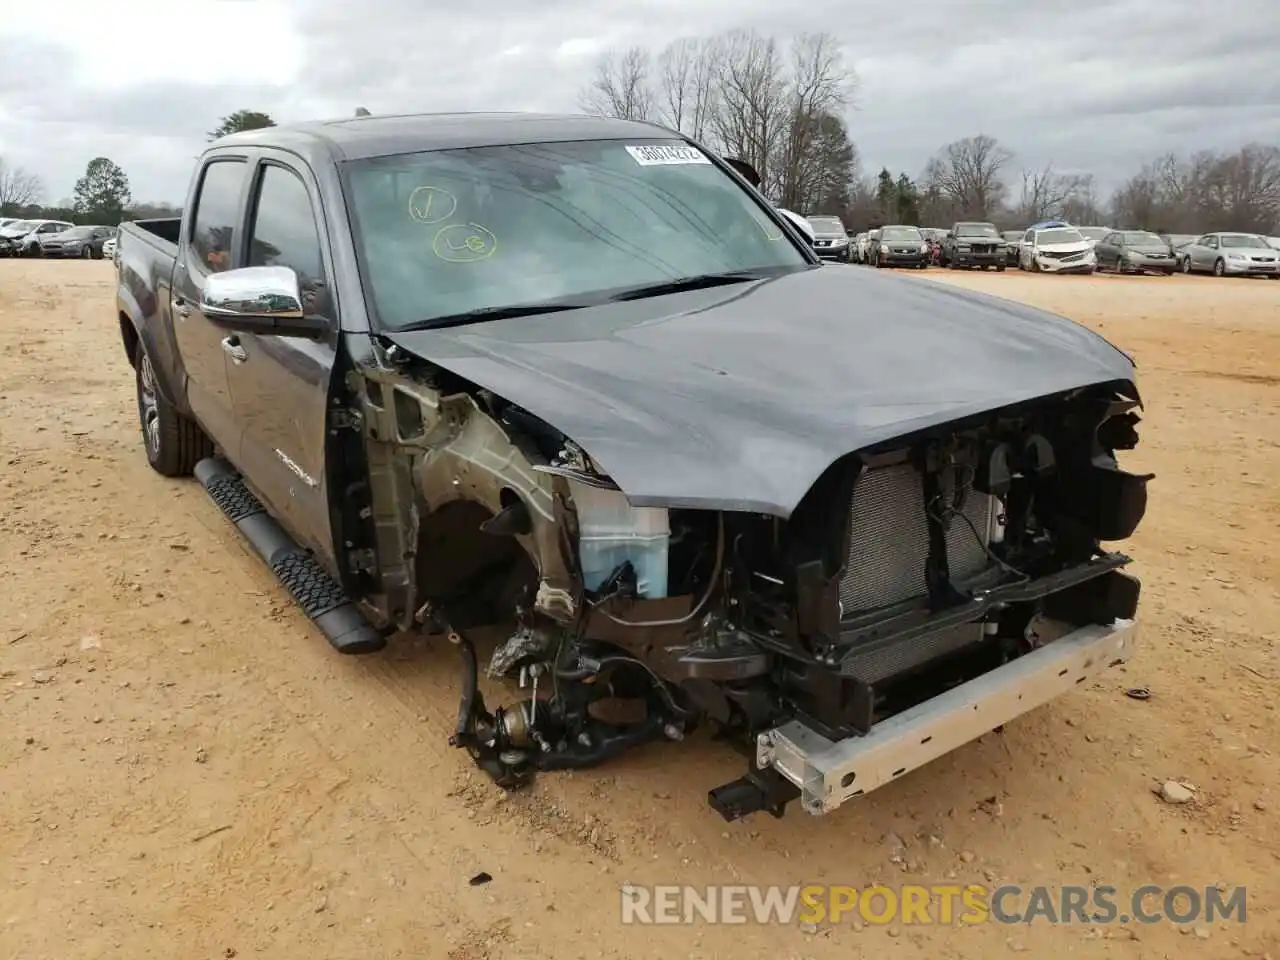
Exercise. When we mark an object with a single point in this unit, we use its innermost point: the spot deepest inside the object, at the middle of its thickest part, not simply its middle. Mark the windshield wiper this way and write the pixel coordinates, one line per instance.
(700, 282)
(491, 313)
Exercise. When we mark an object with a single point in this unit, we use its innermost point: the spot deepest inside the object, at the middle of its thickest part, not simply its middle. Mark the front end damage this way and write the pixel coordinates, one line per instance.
(923, 592)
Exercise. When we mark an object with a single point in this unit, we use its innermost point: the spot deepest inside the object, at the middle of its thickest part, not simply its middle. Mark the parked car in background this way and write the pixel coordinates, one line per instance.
(830, 238)
(22, 237)
(1230, 255)
(1134, 251)
(109, 247)
(1057, 249)
(858, 249)
(1094, 234)
(973, 244)
(901, 246)
(1177, 241)
(873, 237)
(1012, 243)
(85, 242)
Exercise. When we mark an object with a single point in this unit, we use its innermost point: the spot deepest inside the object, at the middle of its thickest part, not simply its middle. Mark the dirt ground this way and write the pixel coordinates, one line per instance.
(187, 771)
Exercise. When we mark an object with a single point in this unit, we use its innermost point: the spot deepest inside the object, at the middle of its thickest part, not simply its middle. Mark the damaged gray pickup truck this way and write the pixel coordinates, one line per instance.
(576, 376)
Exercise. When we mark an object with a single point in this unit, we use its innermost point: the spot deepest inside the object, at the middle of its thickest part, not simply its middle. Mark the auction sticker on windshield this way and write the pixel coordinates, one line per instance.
(667, 153)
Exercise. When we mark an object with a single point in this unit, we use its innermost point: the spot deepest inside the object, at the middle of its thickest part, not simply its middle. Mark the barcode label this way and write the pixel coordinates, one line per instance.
(666, 153)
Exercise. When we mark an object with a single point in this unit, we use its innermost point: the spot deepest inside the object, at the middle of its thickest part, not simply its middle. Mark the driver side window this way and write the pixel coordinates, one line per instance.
(284, 234)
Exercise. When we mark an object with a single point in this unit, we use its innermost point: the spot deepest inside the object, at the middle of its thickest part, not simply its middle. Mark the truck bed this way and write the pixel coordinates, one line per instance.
(162, 232)
(146, 251)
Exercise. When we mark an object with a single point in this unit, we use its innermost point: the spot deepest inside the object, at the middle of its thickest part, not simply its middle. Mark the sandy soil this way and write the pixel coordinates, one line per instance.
(186, 770)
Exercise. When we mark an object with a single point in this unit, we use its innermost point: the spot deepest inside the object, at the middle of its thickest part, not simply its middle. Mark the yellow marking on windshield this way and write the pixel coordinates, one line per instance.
(428, 204)
(464, 243)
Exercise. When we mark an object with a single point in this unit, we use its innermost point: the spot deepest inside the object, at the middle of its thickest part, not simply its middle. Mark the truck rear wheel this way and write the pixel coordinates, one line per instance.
(174, 444)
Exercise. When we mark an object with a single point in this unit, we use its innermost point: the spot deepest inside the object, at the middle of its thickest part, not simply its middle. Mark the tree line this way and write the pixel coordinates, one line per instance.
(102, 196)
(781, 107)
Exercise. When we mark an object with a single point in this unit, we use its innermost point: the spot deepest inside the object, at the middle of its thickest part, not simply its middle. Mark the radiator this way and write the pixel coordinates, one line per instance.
(889, 539)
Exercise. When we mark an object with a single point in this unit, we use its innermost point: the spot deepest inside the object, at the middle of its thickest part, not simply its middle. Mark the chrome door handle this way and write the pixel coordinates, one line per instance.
(232, 346)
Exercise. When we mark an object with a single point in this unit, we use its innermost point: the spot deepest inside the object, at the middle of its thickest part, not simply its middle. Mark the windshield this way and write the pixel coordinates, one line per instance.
(19, 226)
(1242, 240)
(901, 233)
(1012, 235)
(1141, 237)
(449, 232)
(1059, 235)
(826, 224)
(1093, 233)
(975, 230)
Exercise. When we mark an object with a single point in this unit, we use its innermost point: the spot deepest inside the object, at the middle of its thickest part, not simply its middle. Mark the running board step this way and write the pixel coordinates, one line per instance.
(319, 596)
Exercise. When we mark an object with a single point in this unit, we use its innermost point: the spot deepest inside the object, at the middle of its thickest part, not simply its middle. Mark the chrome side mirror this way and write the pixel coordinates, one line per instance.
(259, 300)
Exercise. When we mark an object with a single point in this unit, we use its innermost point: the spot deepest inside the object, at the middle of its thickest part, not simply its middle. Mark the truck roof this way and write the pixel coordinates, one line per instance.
(356, 138)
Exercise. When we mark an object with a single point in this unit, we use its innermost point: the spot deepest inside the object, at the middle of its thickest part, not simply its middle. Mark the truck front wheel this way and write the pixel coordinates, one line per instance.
(174, 444)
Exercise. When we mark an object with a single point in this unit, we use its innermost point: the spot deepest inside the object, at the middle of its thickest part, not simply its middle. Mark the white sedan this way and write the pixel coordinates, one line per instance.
(109, 248)
(1057, 250)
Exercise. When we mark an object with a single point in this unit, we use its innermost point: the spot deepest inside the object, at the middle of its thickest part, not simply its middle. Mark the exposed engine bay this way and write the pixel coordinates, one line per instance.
(909, 569)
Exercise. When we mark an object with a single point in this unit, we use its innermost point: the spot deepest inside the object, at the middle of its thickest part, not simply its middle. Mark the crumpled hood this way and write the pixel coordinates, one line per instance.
(1075, 246)
(739, 397)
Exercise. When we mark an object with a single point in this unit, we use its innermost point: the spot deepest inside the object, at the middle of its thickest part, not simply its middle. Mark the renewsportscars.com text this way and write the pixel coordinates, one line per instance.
(932, 904)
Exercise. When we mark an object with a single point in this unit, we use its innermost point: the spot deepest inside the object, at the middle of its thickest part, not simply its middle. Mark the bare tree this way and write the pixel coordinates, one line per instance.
(687, 84)
(621, 86)
(968, 173)
(1242, 190)
(752, 112)
(820, 89)
(1043, 194)
(1082, 204)
(18, 188)
(1206, 191)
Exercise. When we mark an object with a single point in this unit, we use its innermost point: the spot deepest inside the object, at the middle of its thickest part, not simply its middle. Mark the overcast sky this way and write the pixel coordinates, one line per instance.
(1094, 86)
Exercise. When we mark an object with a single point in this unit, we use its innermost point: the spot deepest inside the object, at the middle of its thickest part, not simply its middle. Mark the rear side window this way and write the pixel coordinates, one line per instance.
(217, 208)
(284, 234)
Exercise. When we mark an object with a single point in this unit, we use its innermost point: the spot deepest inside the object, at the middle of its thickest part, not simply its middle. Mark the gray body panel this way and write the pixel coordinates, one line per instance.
(738, 398)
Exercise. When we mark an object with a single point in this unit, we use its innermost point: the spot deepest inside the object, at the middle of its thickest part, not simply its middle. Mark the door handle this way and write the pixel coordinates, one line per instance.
(232, 346)
(181, 308)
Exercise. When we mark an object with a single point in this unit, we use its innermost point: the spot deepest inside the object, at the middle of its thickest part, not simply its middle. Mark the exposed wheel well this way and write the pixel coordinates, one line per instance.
(129, 336)
(457, 562)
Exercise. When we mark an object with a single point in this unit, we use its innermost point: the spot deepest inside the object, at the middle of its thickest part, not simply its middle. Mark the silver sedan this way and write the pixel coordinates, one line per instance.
(1230, 255)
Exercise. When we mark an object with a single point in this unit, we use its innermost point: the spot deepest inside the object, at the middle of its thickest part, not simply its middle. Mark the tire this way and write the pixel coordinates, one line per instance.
(999, 268)
(1219, 268)
(173, 443)
(86, 253)
(1186, 266)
